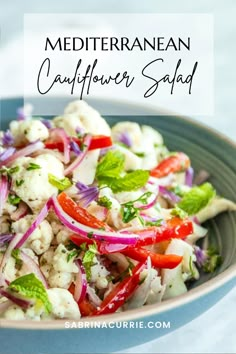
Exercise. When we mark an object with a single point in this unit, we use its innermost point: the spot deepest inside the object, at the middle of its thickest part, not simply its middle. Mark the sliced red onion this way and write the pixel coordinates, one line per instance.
(168, 194)
(47, 123)
(41, 216)
(3, 192)
(107, 248)
(189, 177)
(7, 139)
(60, 134)
(75, 148)
(33, 267)
(149, 205)
(93, 297)
(125, 139)
(5, 238)
(84, 231)
(26, 151)
(20, 212)
(55, 153)
(4, 306)
(7, 153)
(24, 112)
(87, 195)
(150, 218)
(25, 304)
(80, 282)
(201, 256)
(201, 177)
(79, 159)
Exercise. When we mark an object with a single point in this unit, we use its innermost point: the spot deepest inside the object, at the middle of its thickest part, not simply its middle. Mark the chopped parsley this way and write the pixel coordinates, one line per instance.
(88, 260)
(13, 199)
(129, 211)
(19, 182)
(33, 166)
(105, 202)
(213, 260)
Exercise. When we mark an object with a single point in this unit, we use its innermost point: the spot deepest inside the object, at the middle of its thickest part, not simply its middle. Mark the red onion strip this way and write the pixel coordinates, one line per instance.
(93, 297)
(79, 159)
(41, 216)
(61, 134)
(12, 297)
(80, 282)
(96, 234)
(28, 150)
(20, 212)
(33, 267)
(3, 192)
(149, 205)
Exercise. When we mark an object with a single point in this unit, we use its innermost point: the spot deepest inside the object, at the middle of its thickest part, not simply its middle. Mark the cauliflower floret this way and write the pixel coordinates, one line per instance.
(63, 304)
(174, 278)
(28, 131)
(46, 262)
(99, 274)
(9, 208)
(36, 189)
(14, 313)
(60, 262)
(59, 279)
(63, 236)
(215, 207)
(132, 129)
(132, 161)
(79, 114)
(9, 269)
(85, 172)
(40, 240)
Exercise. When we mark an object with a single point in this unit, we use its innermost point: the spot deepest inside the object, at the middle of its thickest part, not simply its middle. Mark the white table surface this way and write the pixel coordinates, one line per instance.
(214, 331)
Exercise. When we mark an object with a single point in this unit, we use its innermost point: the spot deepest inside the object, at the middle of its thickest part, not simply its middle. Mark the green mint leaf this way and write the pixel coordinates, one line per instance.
(33, 166)
(13, 199)
(177, 211)
(111, 165)
(105, 202)
(88, 260)
(60, 184)
(132, 181)
(31, 287)
(197, 198)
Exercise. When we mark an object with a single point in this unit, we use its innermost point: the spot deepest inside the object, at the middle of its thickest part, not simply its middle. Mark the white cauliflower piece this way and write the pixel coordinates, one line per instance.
(8, 208)
(14, 313)
(40, 240)
(174, 279)
(79, 114)
(28, 131)
(216, 206)
(132, 129)
(63, 304)
(157, 291)
(151, 137)
(85, 172)
(63, 235)
(9, 269)
(98, 272)
(60, 279)
(46, 262)
(36, 189)
(132, 161)
(60, 262)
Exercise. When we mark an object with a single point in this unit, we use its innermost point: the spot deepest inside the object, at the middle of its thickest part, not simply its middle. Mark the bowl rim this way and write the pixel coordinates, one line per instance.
(148, 310)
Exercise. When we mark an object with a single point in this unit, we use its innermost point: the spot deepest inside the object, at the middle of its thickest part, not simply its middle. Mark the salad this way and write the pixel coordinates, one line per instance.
(94, 219)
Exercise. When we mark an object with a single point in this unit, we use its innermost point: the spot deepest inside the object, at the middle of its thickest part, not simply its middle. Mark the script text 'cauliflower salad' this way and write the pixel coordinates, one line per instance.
(95, 220)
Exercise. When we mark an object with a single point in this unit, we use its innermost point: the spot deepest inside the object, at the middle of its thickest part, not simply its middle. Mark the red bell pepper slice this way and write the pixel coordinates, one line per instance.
(79, 214)
(86, 308)
(97, 142)
(174, 228)
(121, 292)
(174, 163)
(169, 261)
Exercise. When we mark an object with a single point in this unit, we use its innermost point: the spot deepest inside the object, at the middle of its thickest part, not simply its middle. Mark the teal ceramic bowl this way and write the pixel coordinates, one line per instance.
(208, 150)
